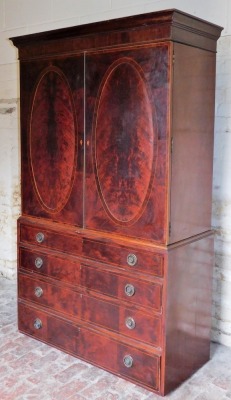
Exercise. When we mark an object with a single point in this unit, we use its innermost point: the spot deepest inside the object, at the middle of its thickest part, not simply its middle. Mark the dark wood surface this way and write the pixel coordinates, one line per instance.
(188, 310)
(91, 346)
(52, 140)
(152, 27)
(117, 147)
(52, 131)
(192, 135)
(128, 141)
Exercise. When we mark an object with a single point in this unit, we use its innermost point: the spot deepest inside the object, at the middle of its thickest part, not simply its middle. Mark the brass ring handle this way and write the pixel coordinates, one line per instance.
(129, 290)
(38, 323)
(40, 237)
(132, 260)
(128, 361)
(38, 262)
(130, 323)
(38, 291)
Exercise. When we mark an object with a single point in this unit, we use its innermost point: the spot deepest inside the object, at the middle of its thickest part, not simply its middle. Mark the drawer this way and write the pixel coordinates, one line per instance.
(61, 299)
(59, 268)
(127, 288)
(46, 238)
(129, 258)
(124, 360)
(47, 328)
(132, 323)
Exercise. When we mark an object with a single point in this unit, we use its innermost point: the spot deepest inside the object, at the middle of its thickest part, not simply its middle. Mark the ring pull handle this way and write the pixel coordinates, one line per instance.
(38, 323)
(128, 361)
(38, 291)
(130, 323)
(38, 262)
(132, 260)
(40, 237)
(129, 290)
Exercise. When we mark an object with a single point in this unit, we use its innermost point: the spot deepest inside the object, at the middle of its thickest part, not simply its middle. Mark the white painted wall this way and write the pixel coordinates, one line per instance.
(18, 17)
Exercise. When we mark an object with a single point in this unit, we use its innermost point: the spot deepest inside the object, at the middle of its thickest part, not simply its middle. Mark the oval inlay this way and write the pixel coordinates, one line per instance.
(52, 140)
(124, 142)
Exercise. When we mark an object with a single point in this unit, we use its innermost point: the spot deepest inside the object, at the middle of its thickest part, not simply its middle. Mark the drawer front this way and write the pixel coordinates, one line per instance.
(48, 328)
(134, 324)
(55, 267)
(49, 295)
(127, 361)
(123, 360)
(46, 238)
(129, 258)
(124, 288)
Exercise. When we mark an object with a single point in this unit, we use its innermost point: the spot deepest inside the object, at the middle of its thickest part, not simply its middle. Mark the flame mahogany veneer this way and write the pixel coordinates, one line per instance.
(115, 247)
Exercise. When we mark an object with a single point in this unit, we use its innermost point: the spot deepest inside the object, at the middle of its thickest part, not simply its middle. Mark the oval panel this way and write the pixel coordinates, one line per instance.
(124, 142)
(52, 140)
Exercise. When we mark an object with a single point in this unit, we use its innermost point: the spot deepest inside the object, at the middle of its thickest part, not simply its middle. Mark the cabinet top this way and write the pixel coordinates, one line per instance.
(167, 25)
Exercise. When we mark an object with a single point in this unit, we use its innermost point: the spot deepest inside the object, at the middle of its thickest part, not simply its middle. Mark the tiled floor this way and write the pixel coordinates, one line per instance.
(30, 370)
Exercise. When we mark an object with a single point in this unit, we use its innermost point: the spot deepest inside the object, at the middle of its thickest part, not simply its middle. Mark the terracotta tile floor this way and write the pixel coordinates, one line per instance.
(30, 370)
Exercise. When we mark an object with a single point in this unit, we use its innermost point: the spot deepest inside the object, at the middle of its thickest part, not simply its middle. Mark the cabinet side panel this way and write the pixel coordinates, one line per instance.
(188, 310)
(192, 131)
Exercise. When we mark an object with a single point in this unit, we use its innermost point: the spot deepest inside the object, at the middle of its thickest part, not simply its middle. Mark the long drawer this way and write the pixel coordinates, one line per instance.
(101, 350)
(107, 315)
(100, 279)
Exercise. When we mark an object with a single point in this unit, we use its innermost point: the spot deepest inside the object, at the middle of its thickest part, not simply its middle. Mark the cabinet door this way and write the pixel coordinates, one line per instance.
(127, 123)
(52, 137)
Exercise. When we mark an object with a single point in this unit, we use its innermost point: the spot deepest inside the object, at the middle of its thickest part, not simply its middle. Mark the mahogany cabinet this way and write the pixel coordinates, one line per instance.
(115, 247)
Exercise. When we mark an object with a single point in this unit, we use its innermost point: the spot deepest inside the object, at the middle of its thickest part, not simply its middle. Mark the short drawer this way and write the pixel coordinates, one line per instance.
(58, 298)
(129, 258)
(127, 288)
(46, 238)
(128, 322)
(48, 328)
(101, 350)
(59, 268)
(127, 361)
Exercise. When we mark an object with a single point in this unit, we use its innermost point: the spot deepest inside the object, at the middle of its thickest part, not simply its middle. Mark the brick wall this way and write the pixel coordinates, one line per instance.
(18, 17)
